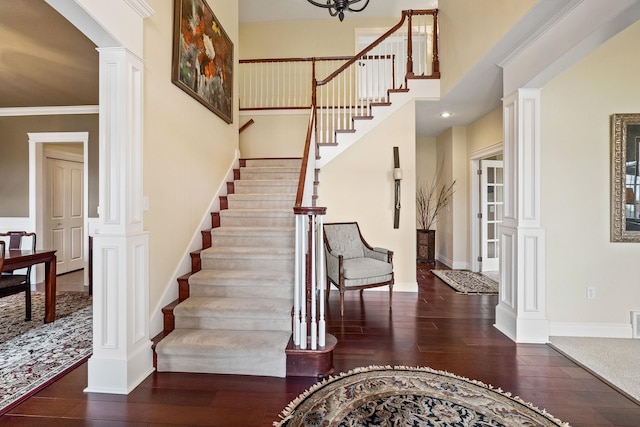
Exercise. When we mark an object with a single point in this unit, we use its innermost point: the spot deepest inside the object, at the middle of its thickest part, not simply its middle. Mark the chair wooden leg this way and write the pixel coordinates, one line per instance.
(390, 295)
(27, 303)
(341, 303)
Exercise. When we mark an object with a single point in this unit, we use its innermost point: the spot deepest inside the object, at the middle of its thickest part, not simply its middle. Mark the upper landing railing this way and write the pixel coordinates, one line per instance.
(344, 88)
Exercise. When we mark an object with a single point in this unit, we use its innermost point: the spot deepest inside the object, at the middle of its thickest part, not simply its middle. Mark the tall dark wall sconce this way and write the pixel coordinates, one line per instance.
(397, 176)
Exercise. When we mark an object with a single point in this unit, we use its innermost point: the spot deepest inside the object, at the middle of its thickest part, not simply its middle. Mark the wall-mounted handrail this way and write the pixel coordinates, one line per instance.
(246, 125)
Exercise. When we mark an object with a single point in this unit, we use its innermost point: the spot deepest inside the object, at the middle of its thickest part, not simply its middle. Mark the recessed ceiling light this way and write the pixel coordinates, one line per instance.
(445, 114)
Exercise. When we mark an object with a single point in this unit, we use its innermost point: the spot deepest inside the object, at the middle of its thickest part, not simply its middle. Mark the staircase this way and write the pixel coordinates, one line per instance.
(234, 314)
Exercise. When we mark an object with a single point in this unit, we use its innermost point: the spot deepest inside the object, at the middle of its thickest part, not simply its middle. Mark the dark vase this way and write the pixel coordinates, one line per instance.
(426, 241)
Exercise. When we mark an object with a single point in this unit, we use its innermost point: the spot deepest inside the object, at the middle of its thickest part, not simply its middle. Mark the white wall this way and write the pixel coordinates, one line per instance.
(576, 109)
(358, 186)
(188, 150)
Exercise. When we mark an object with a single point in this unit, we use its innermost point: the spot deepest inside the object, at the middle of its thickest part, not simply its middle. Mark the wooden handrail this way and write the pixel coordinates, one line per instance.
(363, 52)
(246, 125)
(305, 160)
(309, 59)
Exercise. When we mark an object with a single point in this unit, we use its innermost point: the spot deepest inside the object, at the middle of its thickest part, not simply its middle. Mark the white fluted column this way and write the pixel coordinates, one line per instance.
(521, 311)
(122, 355)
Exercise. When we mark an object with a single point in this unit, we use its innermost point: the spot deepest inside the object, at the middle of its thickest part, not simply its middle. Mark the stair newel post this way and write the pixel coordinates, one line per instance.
(409, 48)
(436, 61)
(299, 280)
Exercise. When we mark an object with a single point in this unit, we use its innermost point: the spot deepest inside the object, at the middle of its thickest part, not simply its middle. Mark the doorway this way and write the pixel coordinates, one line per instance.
(63, 208)
(487, 203)
(37, 182)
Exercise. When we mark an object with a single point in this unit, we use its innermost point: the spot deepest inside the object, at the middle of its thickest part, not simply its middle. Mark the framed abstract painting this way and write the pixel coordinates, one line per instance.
(202, 63)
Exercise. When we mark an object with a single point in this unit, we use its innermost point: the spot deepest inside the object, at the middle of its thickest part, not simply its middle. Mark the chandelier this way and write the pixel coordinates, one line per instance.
(337, 7)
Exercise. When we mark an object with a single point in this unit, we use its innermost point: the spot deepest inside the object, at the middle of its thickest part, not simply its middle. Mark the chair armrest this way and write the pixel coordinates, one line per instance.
(381, 254)
(333, 265)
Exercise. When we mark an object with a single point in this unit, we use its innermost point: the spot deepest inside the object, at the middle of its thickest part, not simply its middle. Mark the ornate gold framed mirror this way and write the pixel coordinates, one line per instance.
(625, 178)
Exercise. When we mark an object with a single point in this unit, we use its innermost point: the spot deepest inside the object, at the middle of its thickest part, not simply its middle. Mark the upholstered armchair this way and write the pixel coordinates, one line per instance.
(352, 264)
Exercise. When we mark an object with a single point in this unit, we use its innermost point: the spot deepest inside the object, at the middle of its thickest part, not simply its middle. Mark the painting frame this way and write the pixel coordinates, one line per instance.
(202, 60)
(625, 177)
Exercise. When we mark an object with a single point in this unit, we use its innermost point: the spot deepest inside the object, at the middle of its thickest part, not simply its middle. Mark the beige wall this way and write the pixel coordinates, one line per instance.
(452, 223)
(425, 163)
(485, 132)
(188, 150)
(325, 37)
(576, 109)
(468, 33)
(274, 135)
(358, 186)
(14, 160)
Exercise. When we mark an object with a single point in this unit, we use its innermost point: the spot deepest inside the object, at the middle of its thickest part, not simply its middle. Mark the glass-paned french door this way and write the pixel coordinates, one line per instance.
(492, 205)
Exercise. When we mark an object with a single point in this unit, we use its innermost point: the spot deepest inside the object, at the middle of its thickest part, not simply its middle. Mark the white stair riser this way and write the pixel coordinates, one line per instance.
(234, 324)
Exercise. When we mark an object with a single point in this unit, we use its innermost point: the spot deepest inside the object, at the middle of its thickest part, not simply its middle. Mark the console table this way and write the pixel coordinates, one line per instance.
(16, 259)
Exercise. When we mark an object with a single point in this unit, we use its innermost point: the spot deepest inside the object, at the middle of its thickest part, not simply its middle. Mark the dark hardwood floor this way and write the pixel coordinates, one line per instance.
(435, 327)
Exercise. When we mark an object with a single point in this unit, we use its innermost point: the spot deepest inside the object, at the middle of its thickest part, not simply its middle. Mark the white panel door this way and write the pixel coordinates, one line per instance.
(64, 216)
(492, 204)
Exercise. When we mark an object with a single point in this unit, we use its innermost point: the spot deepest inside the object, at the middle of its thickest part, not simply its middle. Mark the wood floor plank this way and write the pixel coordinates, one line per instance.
(435, 327)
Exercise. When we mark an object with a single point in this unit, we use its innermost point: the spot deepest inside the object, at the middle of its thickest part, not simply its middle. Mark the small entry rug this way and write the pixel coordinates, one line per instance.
(30, 360)
(467, 282)
(405, 396)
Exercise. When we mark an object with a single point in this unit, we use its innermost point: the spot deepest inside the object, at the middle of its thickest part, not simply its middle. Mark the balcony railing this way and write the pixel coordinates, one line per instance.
(342, 89)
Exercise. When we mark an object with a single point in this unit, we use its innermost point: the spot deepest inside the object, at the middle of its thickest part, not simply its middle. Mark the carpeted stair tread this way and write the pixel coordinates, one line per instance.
(247, 252)
(252, 308)
(269, 186)
(282, 162)
(240, 278)
(261, 196)
(270, 169)
(257, 213)
(242, 284)
(224, 352)
(251, 231)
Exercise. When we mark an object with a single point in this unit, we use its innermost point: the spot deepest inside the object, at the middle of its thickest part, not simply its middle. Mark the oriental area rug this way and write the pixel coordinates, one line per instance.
(406, 396)
(467, 282)
(33, 354)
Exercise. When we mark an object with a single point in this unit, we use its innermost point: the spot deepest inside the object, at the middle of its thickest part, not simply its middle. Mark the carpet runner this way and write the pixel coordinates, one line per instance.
(33, 358)
(237, 318)
(467, 282)
(406, 396)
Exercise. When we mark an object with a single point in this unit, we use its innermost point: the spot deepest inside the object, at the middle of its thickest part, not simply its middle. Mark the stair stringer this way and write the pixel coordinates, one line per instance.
(423, 89)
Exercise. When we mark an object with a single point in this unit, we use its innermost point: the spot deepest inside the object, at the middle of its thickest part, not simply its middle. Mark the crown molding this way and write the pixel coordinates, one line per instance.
(141, 7)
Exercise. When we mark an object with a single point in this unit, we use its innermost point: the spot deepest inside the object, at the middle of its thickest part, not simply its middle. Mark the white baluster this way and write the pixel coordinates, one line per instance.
(312, 253)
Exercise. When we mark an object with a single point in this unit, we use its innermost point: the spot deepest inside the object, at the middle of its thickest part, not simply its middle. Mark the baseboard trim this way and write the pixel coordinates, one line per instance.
(591, 330)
